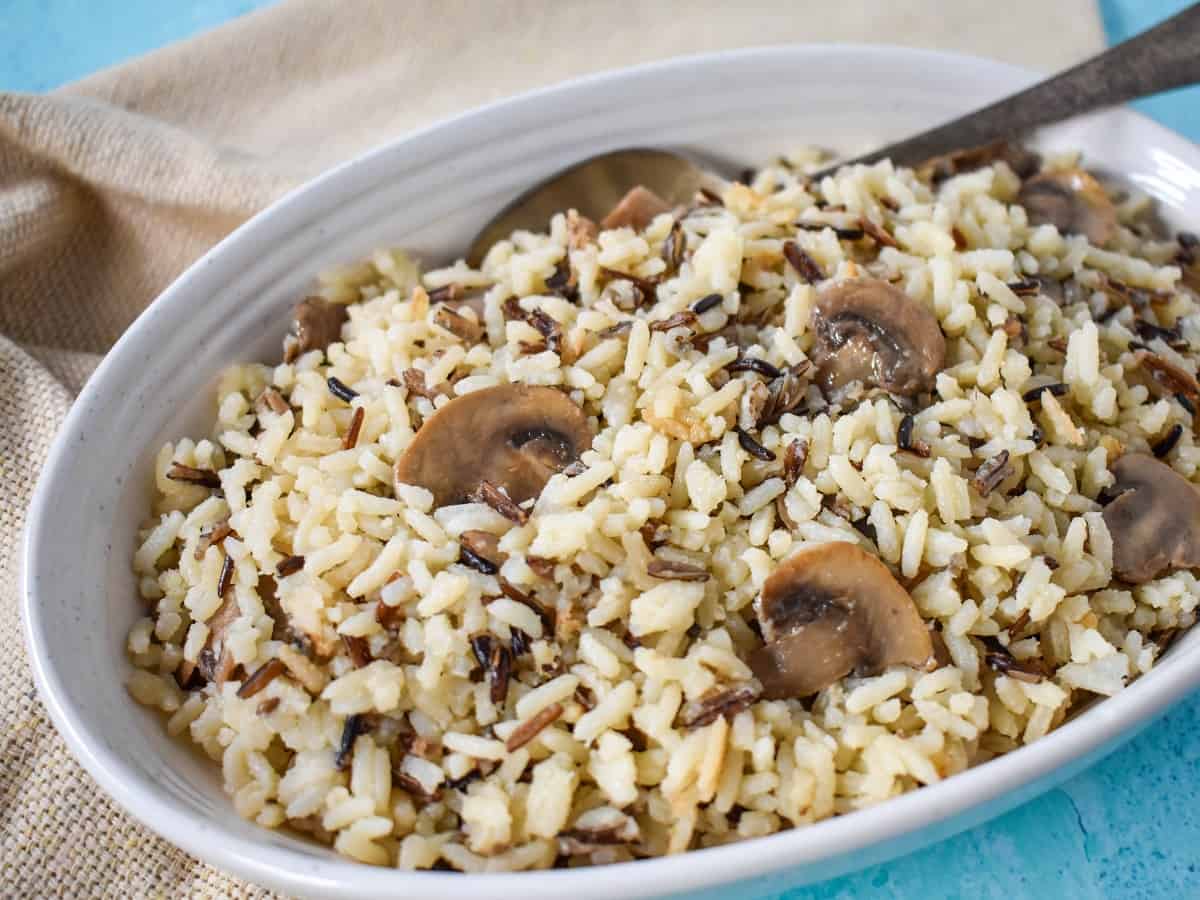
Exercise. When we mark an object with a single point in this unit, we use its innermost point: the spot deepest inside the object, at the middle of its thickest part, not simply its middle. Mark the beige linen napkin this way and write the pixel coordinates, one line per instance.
(111, 187)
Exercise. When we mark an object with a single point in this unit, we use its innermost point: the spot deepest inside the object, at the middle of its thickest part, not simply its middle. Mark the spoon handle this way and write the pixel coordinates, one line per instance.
(1164, 57)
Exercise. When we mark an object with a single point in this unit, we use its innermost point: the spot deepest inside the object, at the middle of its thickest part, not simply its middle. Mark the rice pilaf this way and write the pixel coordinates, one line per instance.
(482, 683)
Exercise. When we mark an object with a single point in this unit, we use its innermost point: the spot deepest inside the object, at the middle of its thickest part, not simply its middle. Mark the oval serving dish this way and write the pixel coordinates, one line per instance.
(429, 192)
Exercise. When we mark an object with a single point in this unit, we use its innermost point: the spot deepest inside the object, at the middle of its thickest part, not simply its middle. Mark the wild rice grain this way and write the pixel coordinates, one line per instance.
(268, 706)
(1025, 287)
(904, 438)
(620, 329)
(357, 649)
(497, 499)
(1035, 394)
(685, 318)
(753, 447)
(466, 330)
(520, 642)
(753, 364)
(676, 571)
(289, 565)
(469, 557)
(1167, 444)
(727, 702)
(264, 675)
(806, 267)
(339, 389)
(547, 328)
(531, 728)
(446, 293)
(842, 233)
(351, 729)
(414, 383)
(192, 475)
(704, 304)
(561, 279)
(674, 248)
(1018, 625)
(991, 473)
(794, 459)
(877, 233)
(1169, 336)
(225, 580)
(275, 401)
(518, 596)
(647, 286)
(542, 567)
(1000, 659)
(213, 537)
(499, 672)
(350, 439)
(496, 661)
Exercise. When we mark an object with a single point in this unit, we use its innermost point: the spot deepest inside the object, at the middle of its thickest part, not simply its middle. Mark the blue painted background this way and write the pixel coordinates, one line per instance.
(1129, 827)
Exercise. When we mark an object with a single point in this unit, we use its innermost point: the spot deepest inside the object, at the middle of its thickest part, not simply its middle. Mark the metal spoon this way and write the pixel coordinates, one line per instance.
(1164, 57)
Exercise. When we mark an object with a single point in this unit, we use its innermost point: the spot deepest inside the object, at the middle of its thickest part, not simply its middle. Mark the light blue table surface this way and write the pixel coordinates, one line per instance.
(1128, 827)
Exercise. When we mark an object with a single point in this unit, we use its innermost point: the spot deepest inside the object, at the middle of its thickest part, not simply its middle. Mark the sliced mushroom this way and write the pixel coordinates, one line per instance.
(636, 209)
(514, 436)
(1073, 202)
(1155, 522)
(829, 611)
(317, 323)
(871, 332)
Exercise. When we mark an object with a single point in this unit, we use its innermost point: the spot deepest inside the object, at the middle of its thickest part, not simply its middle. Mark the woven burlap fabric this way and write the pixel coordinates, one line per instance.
(109, 188)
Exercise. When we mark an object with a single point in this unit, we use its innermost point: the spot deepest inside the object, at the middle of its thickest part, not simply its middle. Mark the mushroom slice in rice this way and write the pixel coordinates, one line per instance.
(317, 323)
(870, 331)
(1073, 202)
(1155, 520)
(513, 436)
(831, 610)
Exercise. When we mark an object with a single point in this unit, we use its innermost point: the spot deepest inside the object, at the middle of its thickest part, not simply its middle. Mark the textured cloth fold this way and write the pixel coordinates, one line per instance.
(112, 186)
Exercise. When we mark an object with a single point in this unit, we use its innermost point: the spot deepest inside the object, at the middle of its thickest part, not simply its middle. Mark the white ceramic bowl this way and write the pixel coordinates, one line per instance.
(429, 192)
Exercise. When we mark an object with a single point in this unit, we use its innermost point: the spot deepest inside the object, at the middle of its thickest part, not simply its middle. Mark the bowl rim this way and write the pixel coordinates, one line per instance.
(1083, 738)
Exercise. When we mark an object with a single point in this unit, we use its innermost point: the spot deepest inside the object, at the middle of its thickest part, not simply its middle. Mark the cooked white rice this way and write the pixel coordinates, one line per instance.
(426, 776)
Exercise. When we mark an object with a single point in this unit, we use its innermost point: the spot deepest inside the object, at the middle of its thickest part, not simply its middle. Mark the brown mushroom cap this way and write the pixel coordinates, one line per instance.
(317, 323)
(1155, 522)
(830, 610)
(870, 331)
(513, 435)
(1072, 201)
